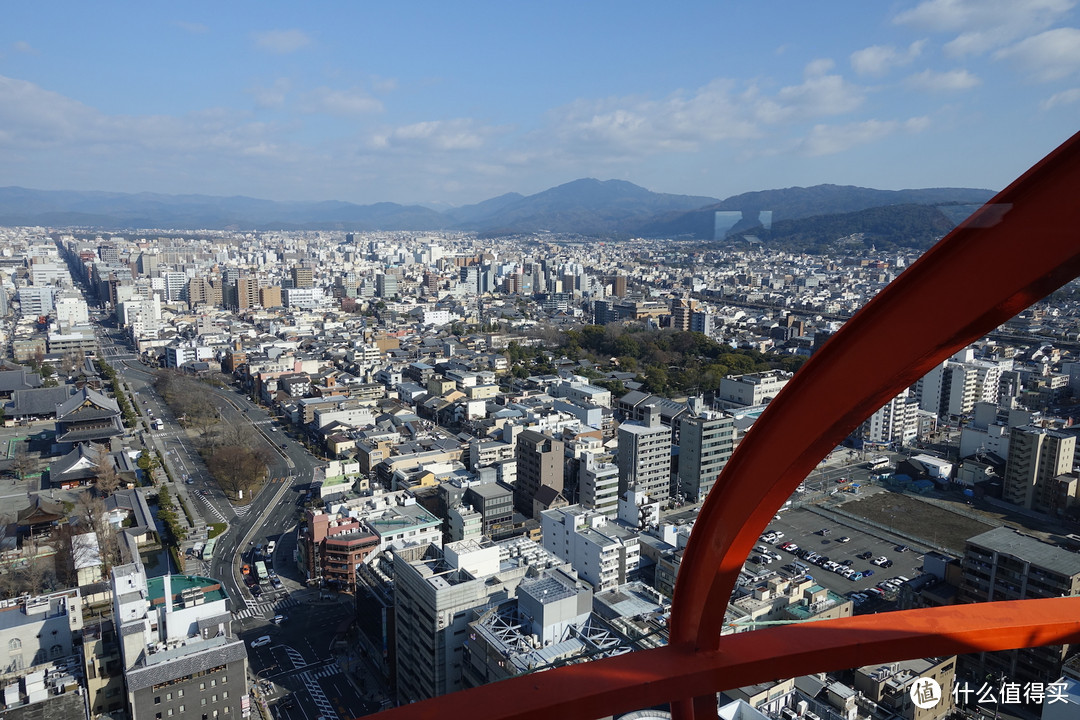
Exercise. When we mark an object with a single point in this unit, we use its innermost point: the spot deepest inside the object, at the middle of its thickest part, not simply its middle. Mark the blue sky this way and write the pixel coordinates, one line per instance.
(457, 102)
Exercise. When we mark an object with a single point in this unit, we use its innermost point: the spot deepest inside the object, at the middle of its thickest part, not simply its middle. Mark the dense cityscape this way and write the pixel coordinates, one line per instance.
(325, 473)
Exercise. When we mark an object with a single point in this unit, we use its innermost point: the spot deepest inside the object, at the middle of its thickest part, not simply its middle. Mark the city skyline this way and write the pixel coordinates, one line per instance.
(454, 105)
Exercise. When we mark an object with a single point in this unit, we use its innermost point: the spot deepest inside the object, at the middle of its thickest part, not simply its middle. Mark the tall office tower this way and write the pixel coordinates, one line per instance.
(539, 464)
(179, 655)
(431, 283)
(681, 311)
(645, 456)
(1038, 458)
(303, 276)
(230, 275)
(350, 238)
(1003, 564)
(618, 286)
(706, 441)
(386, 286)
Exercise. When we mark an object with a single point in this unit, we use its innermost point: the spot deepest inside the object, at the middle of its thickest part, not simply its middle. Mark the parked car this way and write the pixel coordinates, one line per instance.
(865, 555)
(880, 560)
(901, 548)
(843, 539)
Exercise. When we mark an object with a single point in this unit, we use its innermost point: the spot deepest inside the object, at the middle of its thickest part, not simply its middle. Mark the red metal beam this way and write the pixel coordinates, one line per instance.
(653, 677)
(1018, 248)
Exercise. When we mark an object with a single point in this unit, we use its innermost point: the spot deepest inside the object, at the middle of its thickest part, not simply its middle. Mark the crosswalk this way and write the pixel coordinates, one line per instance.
(311, 683)
(265, 608)
(212, 508)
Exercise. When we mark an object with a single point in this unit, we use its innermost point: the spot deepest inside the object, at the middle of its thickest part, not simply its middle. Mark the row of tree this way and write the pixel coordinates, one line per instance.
(233, 452)
(670, 362)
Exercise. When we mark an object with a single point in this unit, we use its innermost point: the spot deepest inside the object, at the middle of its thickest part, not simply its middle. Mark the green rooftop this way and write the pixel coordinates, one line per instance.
(212, 589)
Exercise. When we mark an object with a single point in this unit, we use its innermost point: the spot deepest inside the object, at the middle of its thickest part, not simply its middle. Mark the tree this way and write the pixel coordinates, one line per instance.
(108, 478)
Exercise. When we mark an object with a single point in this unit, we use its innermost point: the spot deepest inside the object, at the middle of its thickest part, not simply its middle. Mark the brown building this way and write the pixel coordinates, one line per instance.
(539, 464)
(334, 546)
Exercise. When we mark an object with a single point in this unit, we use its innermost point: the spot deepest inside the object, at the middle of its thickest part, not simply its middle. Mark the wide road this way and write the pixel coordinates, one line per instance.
(273, 510)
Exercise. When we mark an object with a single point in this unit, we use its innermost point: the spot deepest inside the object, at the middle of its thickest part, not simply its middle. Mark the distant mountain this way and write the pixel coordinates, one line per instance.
(910, 226)
(587, 206)
(605, 208)
(799, 202)
(19, 206)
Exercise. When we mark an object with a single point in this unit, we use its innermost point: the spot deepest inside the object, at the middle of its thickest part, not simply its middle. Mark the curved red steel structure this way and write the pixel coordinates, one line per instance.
(1018, 248)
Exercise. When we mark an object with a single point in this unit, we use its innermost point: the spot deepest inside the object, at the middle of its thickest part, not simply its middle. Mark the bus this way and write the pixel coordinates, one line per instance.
(260, 569)
(879, 462)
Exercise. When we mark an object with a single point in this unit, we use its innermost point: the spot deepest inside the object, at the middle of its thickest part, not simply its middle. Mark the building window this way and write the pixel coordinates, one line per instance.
(157, 700)
(15, 644)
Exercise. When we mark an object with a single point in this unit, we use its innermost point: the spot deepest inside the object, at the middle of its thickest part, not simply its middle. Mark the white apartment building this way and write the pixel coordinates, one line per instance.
(752, 389)
(645, 456)
(600, 551)
(598, 484)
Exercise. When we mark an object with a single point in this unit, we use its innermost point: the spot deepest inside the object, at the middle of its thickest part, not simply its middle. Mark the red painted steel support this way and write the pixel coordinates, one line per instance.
(652, 677)
(1021, 246)
(1017, 249)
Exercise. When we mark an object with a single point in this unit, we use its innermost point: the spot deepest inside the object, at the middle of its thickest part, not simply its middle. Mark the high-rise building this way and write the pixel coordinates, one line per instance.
(681, 311)
(202, 291)
(598, 485)
(179, 656)
(1038, 458)
(706, 441)
(386, 286)
(1003, 564)
(896, 422)
(645, 456)
(434, 596)
(303, 276)
(539, 464)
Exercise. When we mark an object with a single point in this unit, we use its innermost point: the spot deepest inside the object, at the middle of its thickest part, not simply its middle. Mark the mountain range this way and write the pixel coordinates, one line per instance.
(605, 208)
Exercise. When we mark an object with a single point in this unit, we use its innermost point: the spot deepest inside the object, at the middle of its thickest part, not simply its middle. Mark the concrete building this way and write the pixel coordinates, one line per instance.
(1038, 463)
(894, 423)
(539, 464)
(434, 598)
(645, 457)
(752, 389)
(706, 442)
(179, 656)
(35, 630)
(601, 552)
(1003, 564)
(550, 622)
(598, 484)
(889, 686)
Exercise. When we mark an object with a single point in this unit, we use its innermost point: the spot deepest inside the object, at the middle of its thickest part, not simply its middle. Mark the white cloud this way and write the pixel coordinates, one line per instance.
(24, 47)
(341, 102)
(1050, 55)
(281, 42)
(832, 139)
(686, 121)
(877, 60)
(443, 135)
(984, 24)
(1065, 97)
(950, 80)
(383, 85)
(273, 96)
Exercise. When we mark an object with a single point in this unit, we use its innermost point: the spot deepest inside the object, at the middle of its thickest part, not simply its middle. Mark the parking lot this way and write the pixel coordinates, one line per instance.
(811, 531)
